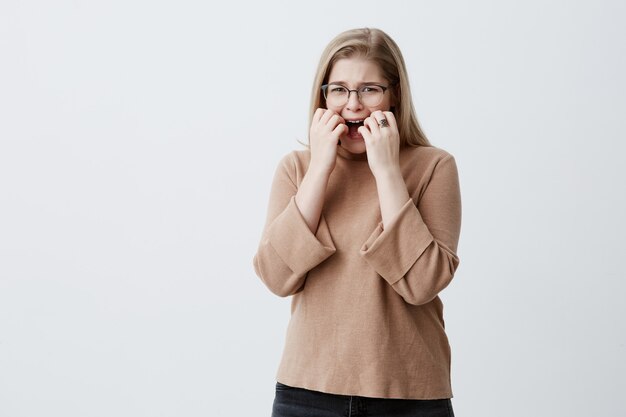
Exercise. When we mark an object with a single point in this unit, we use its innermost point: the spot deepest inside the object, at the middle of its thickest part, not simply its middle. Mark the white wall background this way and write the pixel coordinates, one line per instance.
(138, 140)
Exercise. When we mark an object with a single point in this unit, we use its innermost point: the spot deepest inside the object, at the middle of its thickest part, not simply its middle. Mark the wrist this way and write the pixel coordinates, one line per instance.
(388, 174)
(319, 170)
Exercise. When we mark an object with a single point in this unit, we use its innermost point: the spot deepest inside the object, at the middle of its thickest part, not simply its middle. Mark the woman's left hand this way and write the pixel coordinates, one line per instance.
(382, 143)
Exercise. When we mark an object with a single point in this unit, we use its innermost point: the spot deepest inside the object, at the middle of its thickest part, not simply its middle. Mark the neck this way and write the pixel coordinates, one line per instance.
(352, 156)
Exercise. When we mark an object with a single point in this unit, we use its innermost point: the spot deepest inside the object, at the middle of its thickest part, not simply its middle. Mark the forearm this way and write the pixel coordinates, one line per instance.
(310, 196)
(392, 194)
(415, 262)
(416, 254)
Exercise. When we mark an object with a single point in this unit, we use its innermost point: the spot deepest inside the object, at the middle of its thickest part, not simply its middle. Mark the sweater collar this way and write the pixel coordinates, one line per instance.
(351, 156)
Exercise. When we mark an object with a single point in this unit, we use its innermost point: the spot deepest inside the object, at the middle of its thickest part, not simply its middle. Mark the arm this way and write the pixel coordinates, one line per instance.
(383, 157)
(310, 196)
(326, 128)
(392, 194)
(416, 251)
(289, 248)
(296, 237)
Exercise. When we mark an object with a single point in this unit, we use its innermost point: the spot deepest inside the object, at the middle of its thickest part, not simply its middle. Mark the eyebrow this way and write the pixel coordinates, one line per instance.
(363, 83)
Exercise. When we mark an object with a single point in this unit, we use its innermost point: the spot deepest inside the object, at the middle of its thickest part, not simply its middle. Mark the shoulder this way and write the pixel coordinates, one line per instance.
(294, 164)
(426, 153)
(425, 158)
(295, 158)
(423, 166)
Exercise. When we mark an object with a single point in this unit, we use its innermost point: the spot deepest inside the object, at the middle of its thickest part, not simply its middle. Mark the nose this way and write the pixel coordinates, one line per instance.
(353, 104)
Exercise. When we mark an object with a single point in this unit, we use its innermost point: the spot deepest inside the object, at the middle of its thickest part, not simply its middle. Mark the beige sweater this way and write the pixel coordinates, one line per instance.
(366, 318)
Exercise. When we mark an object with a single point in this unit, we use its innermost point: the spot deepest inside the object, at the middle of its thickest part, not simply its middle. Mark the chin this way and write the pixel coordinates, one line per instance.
(355, 148)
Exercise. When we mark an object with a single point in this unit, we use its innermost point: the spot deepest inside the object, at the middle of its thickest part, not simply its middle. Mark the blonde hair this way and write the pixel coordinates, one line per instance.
(377, 46)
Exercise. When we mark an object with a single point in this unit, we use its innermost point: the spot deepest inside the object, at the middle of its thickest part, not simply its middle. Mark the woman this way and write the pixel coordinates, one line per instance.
(362, 230)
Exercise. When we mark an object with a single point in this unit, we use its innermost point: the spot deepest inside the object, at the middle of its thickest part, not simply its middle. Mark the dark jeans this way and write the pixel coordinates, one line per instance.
(300, 402)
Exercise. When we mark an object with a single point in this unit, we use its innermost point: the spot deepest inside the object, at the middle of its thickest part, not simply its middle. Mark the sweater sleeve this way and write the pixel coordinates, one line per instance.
(416, 254)
(288, 250)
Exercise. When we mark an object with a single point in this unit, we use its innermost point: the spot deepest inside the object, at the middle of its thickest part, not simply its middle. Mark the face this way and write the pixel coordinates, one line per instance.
(353, 73)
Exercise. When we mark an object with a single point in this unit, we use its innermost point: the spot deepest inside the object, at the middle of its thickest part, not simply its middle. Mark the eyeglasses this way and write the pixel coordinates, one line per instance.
(369, 95)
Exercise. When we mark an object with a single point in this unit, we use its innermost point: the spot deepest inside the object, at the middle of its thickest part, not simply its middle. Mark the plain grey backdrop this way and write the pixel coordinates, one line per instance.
(138, 141)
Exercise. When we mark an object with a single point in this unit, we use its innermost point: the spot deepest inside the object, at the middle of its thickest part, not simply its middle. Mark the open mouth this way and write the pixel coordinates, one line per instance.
(353, 128)
(357, 123)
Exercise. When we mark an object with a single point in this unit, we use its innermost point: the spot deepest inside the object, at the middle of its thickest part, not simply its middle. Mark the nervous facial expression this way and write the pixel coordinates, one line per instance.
(353, 73)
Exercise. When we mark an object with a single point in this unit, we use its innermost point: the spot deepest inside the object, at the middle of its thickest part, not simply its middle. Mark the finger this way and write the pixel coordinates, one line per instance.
(335, 120)
(372, 125)
(391, 119)
(318, 114)
(326, 116)
(367, 135)
(340, 130)
(379, 116)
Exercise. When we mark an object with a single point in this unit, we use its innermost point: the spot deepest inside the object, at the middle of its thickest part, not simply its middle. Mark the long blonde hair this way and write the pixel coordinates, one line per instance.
(377, 46)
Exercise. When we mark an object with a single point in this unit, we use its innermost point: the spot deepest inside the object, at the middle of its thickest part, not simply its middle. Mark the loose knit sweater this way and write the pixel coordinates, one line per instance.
(366, 318)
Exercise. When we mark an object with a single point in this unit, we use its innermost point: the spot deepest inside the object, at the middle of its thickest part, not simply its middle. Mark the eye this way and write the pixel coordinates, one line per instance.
(336, 89)
(371, 89)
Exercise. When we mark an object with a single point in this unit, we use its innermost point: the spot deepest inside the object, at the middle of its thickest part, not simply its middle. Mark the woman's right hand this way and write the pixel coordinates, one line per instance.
(327, 127)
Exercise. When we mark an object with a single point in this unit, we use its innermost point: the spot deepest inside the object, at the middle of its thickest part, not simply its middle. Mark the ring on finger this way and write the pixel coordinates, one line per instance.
(383, 123)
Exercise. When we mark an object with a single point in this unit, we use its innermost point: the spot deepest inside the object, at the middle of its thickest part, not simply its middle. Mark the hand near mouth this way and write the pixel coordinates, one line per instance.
(382, 142)
(327, 127)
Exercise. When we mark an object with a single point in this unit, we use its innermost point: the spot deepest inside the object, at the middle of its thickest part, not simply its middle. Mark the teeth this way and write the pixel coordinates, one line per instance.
(354, 121)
